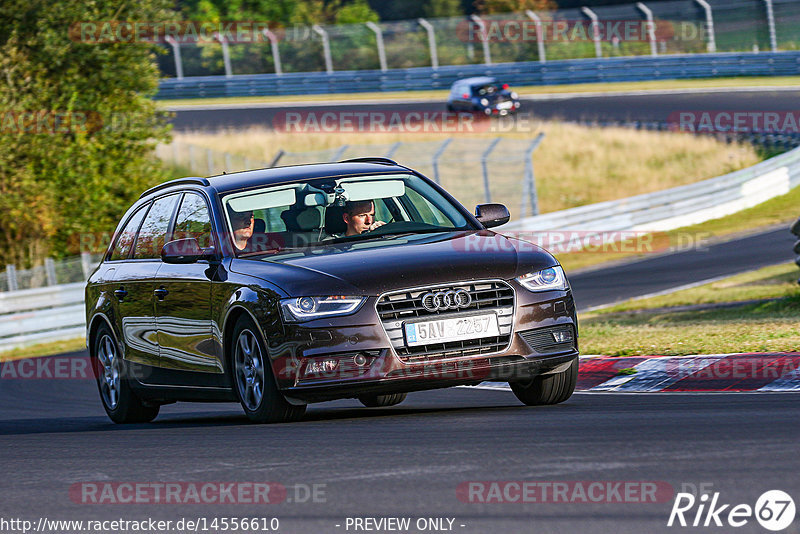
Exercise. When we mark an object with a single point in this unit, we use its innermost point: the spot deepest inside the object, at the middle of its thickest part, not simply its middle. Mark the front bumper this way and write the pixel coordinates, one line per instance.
(361, 338)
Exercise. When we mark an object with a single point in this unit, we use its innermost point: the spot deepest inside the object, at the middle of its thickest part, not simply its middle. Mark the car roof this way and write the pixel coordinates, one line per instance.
(223, 183)
(478, 80)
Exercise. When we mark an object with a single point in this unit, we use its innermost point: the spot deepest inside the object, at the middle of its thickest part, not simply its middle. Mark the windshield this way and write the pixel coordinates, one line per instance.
(331, 211)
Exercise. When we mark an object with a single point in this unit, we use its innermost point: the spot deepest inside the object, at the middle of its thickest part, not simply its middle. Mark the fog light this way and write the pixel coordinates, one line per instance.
(321, 366)
(360, 360)
(562, 336)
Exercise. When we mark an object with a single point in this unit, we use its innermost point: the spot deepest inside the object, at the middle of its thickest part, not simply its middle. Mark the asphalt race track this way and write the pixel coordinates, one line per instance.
(410, 460)
(650, 107)
(404, 461)
(666, 272)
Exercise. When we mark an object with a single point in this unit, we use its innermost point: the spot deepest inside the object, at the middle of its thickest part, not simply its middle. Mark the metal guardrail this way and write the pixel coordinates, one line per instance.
(30, 316)
(622, 69)
(57, 312)
(679, 206)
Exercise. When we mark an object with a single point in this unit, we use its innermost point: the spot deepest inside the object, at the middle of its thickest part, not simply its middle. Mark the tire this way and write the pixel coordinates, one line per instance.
(547, 389)
(113, 382)
(253, 380)
(379, 401)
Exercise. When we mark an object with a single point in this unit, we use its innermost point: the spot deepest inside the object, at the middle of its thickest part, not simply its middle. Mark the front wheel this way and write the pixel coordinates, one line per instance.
(119, 400)
(380, 401)
(547, 389)
(254, 382)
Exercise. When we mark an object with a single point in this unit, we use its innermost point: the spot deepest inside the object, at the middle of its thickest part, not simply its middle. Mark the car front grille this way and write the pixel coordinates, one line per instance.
(543, 340)
(487, 296)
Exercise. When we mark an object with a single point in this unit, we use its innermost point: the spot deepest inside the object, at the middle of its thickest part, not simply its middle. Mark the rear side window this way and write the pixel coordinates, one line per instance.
(127, 235)
(153, 232)
(193, 220)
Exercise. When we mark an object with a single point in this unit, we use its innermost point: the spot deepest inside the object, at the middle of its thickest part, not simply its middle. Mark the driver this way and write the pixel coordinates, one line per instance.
(242, 224)
(359, 216)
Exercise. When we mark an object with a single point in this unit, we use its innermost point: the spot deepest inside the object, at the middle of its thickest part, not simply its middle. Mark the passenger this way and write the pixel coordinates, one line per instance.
(359, 216)
(242, 225)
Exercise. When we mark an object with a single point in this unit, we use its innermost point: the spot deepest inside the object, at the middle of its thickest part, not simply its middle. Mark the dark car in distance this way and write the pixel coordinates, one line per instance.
(482, 94)
(259, 287)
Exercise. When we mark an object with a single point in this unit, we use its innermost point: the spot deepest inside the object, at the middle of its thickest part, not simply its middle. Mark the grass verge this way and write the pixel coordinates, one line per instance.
(656, 85)
(44, 349)
(761, 317)
(575, 165)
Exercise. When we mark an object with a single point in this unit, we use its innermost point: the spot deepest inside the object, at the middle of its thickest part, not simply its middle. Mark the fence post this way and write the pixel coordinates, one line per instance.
(176, 52)
(226, 56)
(487, 194)
(487, 55)
(326, 47)
(529, 180)
(537, 21)
(595, 30)
(50, 271)
(228, 162)
(712, 39)
(436, 156)
(276, 55)
(651, 27)
(86, 264)
(773, 38)
(11, 276)
(393, 149)
(209, 161)
(379, 41)
(175, 152)
(277, 158)
(431, 42)
(338, 154)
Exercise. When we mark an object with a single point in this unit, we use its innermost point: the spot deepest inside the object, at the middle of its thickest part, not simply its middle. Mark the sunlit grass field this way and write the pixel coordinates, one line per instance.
(574, 165)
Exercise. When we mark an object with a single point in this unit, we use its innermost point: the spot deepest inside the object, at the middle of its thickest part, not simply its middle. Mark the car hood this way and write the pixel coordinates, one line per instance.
(376, 266)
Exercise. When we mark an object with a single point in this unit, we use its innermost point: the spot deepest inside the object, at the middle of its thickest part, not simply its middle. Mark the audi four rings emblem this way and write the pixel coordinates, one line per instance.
(451, 299)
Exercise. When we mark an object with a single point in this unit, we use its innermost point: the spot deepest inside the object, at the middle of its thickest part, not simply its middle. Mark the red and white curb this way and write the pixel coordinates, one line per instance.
(709, 372)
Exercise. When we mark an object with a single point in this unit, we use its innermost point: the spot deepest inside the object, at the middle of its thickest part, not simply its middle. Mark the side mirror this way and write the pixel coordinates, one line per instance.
(182, 251)
(491, 215)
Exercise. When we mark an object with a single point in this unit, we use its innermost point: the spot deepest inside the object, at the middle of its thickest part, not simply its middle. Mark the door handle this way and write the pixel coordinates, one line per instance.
(160, 293)
(120, 293)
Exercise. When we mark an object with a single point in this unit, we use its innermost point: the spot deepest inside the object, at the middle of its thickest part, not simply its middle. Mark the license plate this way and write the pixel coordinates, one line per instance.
(453, 329)
(504, 105)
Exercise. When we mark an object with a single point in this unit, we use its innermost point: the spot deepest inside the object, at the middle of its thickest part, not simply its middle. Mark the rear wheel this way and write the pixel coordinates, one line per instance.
(547, 389)
(254, 382)
(378, 401)
(119, 400)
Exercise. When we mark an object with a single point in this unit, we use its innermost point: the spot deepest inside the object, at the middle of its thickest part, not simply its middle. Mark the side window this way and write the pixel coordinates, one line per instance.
(153, 232)
(127, 235)
(193, 220)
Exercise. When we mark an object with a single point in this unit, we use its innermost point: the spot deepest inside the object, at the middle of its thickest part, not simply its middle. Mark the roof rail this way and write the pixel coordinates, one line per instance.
(371, 159)
(190, 180)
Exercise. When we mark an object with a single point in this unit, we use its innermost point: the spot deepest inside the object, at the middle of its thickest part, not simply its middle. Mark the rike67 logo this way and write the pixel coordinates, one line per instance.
(774, 510)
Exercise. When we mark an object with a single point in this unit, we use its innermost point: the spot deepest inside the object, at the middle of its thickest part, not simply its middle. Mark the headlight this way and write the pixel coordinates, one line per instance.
(545, 280)
(301, 309)
(484, 102)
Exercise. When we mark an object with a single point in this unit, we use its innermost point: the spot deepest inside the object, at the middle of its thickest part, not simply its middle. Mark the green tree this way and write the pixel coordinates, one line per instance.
(78, 125)
(444, 8)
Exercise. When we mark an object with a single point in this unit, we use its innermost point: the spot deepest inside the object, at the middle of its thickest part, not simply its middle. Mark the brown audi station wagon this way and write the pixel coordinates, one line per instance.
(285, 286)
